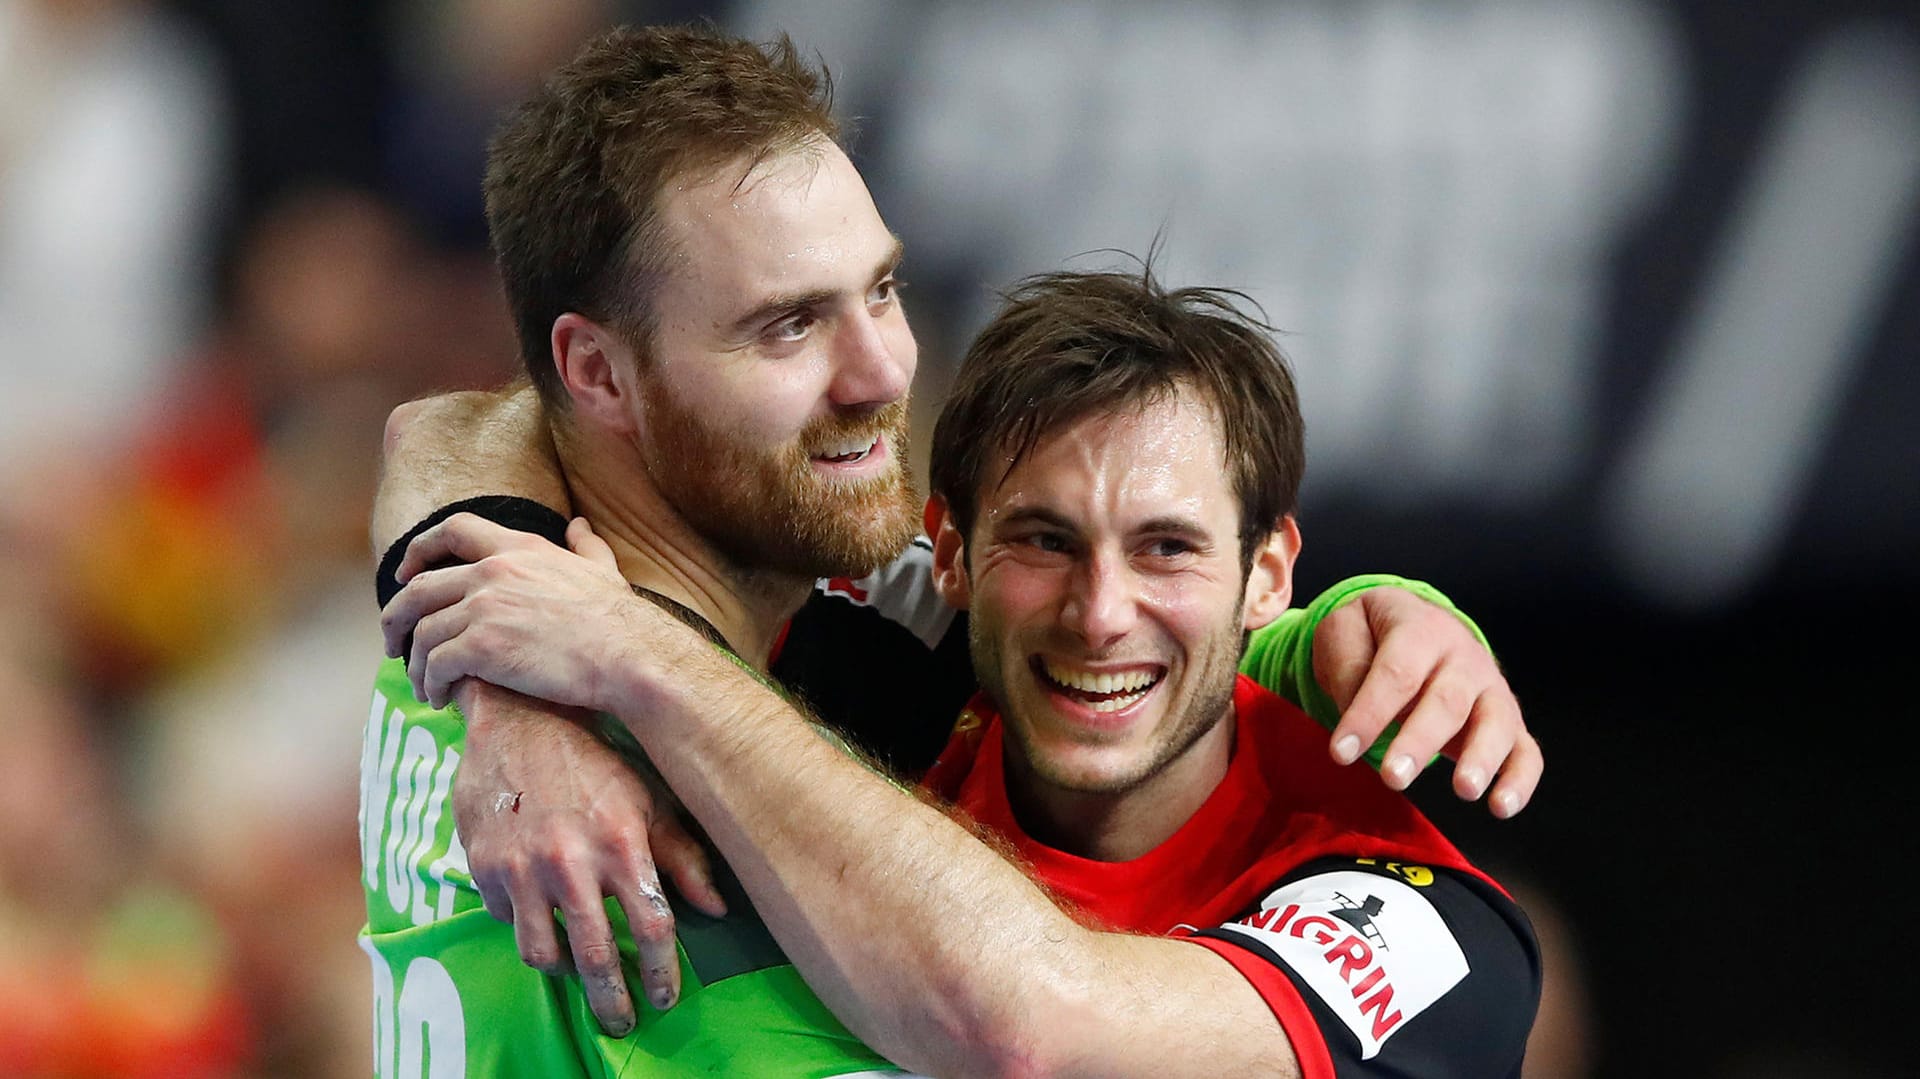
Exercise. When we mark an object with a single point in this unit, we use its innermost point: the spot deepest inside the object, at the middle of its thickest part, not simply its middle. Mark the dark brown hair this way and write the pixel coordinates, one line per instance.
(1066, 346)
(574, 174)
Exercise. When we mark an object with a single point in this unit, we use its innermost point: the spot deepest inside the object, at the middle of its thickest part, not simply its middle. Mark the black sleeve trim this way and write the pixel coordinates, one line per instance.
(520, 514)
(1476, 1029)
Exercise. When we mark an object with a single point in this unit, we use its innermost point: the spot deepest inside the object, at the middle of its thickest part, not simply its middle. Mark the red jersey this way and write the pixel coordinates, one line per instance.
(1380, 948)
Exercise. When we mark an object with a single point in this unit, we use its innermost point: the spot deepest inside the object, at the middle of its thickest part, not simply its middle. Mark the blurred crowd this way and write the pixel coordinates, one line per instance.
(193, 380)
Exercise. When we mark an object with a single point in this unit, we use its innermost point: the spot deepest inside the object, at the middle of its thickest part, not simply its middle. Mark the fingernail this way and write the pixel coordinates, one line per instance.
(1399, 770)
(1346, 749)
(663, 999)
(1474, 778)
(1505, 804)
(621, 1029)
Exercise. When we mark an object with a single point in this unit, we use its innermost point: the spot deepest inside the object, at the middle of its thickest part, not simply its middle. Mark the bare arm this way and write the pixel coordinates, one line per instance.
(439, 450)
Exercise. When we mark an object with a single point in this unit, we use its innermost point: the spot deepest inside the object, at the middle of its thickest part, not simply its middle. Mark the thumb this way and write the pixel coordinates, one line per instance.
(583, 541)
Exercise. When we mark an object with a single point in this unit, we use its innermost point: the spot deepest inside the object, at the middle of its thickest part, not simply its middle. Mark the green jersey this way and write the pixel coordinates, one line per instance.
(452, 998)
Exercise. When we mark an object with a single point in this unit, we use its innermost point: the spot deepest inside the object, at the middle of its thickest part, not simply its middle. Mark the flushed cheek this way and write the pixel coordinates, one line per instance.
(1019, 594)
(776, 421)
(1189, 608)
(767, 403)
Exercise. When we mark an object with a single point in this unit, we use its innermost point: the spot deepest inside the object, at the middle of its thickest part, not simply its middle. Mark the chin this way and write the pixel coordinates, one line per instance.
(1085, 771)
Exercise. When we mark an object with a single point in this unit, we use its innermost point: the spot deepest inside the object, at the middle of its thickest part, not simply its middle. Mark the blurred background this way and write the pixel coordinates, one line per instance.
(1604, 315)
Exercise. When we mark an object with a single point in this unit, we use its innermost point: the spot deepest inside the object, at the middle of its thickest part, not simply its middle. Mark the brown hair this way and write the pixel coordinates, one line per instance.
(1066, 346)
(575, 172)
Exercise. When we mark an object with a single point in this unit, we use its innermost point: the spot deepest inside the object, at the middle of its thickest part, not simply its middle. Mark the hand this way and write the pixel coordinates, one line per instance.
(553, 818)
(519, 613)
(1389, 654)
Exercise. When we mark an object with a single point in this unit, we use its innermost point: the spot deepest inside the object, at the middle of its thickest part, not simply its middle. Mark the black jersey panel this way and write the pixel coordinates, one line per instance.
(875, 682)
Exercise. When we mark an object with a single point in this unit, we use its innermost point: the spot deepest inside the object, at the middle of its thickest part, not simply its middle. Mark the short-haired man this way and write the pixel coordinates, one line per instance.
(722, 363)
(1114, 479)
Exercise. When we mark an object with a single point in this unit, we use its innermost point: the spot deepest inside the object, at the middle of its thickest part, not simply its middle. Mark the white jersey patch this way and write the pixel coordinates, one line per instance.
(902, 591)
(1372, 948)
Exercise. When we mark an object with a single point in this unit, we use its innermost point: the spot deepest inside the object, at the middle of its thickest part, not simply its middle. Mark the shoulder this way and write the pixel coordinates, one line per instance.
(1317, 808)
(900, 592)
(883, 659)
(1394, 962)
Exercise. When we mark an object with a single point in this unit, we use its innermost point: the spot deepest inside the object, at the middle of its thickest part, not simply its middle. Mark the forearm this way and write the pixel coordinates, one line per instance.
(851, 874)
(440, 450)
(942, 955)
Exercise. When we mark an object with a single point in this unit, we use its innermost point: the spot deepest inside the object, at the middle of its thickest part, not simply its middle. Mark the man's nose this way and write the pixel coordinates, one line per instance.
(873, 363)
(1101, 606)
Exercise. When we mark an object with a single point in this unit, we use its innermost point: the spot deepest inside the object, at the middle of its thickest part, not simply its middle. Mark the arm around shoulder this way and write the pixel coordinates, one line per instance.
(443, 449)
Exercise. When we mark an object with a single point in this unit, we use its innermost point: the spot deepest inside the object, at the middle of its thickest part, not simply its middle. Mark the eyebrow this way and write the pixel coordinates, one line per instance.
(1166, 525)
(1032, 515)
(1173, 526)
(798, 301)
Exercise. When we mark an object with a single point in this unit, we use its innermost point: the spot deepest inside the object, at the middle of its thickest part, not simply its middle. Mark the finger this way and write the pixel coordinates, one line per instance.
(432, 636)
(1391, 684)
(494, 897)
(597, 960)
(533, 927)
(583, 541)
(1439, 711)
(445, 667)
(463, 537)
(1343, 650)
(1493, 729)
(684, 861)
(425, 594)
(651, 921)
(1518, 778)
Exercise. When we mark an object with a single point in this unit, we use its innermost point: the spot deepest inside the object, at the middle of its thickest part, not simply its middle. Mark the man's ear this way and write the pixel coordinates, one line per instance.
(598, 370)
(1270, 581)
(949, 554)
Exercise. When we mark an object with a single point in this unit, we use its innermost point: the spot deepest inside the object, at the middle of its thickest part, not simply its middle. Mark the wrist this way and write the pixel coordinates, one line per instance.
(652, 663)
(511, 511)
(1347, 590)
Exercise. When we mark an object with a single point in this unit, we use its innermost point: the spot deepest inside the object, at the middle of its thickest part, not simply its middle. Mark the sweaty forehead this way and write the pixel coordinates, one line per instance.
(796, 219)
(1165, 457)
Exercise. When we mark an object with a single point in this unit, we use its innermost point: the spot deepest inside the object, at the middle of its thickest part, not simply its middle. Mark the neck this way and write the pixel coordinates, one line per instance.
(1119, 826)
(657, 550)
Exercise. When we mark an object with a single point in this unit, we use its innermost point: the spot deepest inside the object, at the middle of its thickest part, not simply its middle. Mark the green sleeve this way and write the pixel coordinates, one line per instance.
(1279, 655)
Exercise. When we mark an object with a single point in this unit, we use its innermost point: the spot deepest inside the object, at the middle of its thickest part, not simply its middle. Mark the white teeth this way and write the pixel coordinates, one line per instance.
(1116, 703)
(855, 450)
(1131, 682)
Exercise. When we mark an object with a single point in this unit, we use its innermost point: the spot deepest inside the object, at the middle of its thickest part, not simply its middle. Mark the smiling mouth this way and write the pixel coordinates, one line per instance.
(1101, 691)
(849, 453)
